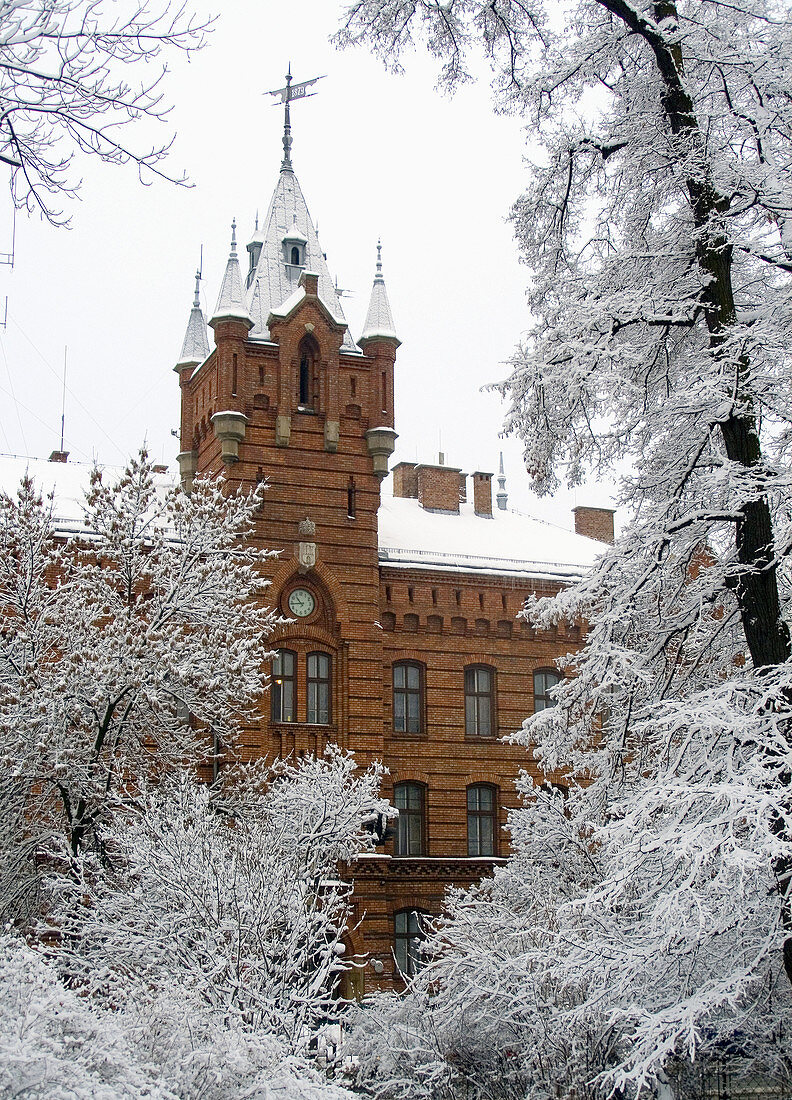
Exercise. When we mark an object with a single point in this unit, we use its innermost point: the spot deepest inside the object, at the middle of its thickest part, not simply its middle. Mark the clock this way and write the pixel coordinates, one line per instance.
(301, 603)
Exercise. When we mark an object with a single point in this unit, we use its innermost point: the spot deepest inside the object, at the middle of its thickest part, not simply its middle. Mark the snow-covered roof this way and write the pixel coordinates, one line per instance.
(274, 280)
(196, 343)
(507, 544)
(68, 481)
(379, 319)
(231, 300)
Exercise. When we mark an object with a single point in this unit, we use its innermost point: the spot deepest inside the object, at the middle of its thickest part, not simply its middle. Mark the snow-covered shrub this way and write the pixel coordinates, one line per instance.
(229, 898)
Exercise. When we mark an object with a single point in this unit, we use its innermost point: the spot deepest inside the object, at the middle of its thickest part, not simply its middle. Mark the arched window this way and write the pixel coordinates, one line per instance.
(482, 810)
(408, 933)
(409, 800)
(318, 683)
(309, 354)
(479, 701)
(408, 700)
(544, 680)
(282, 688)
(295, 255)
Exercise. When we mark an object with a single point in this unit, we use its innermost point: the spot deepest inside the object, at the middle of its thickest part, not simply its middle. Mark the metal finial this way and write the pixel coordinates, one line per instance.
(197, 302)
(255, 230)
(501, 496)
(378, 277)
(233, 237)
(287, 94)
(287, 138)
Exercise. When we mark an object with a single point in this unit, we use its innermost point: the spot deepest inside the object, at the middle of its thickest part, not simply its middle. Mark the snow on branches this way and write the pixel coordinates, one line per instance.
(656, 229)
(227, 899)
(65, 86)
(134, 648)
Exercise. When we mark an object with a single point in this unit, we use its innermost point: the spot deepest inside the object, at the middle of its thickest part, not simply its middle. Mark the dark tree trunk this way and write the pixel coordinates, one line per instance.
(766, 633)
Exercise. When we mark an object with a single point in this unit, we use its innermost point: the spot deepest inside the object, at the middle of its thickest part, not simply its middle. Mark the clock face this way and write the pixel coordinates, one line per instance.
(301, 603)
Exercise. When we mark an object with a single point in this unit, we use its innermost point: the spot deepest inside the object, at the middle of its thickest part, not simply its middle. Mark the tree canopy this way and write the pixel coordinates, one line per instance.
(655, 227)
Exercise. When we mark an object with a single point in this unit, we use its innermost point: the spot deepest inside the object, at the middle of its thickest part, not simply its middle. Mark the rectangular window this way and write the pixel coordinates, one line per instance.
(407, 698)
(479, 702)
(318, 682)
(481, 821)
(282, 687)
(409, 801)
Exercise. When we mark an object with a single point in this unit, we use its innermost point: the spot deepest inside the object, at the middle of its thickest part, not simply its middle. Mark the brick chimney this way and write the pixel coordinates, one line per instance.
(595, 523)
(405, 480)
(438, 488)
(482, 493)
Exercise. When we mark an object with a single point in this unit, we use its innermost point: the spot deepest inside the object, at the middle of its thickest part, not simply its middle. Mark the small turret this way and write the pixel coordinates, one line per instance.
(231, 300)
(379, 319)
(254, 247)
(195, 347)
(231, 323)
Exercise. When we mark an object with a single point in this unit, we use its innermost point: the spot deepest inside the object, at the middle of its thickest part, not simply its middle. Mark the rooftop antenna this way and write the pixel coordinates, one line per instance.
(63, 398)
(287, 94)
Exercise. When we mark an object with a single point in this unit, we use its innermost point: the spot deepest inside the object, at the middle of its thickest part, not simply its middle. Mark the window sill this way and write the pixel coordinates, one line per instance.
(281, 725)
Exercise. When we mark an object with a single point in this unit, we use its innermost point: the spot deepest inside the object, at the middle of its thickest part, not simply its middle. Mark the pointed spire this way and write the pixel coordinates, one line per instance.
(501, 496)
(195, 347)
(286, 164)
(379, 319)
(231, 301)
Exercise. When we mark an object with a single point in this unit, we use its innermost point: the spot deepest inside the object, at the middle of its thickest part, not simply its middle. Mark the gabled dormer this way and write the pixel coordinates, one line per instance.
(294, 248)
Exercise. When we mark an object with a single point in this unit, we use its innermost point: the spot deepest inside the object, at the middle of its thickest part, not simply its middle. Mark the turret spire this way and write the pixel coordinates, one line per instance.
(195, 346)
(379, 320)
(231, 300)
(501, 496)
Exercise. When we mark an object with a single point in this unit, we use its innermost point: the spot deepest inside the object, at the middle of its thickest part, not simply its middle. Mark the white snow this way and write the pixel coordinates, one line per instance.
(509, 543)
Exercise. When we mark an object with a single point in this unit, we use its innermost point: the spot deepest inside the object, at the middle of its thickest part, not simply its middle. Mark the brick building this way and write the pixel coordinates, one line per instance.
(403, 643)
(402, 588)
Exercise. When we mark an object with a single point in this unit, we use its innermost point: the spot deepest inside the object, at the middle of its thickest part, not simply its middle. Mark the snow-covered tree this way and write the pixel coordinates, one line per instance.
(58, 1045)
(138, 645)
(66, 86)
(228, 899)
(656, 229)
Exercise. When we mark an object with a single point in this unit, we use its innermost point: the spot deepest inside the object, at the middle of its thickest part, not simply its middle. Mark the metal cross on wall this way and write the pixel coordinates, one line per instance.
(287, 94)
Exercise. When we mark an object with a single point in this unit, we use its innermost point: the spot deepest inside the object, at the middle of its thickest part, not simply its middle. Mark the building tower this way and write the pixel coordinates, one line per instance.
(287, 396)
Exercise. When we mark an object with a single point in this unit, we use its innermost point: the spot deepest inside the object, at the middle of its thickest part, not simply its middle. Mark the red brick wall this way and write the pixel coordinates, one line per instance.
(595, 523)
(367, 617)
(438, 487)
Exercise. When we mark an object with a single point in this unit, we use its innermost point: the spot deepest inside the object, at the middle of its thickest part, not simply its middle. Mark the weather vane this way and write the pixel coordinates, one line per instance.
(287, 94)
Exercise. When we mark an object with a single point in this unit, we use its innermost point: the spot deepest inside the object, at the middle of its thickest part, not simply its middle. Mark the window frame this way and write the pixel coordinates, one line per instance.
(318, 682)
(408, 962)
(410, 815)
(473, 729)
(276, 713)
(407, 692)
(546, 702)
(477, 815)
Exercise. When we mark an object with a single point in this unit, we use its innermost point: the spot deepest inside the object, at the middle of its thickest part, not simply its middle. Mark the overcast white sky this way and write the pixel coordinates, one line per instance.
(376, 155)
